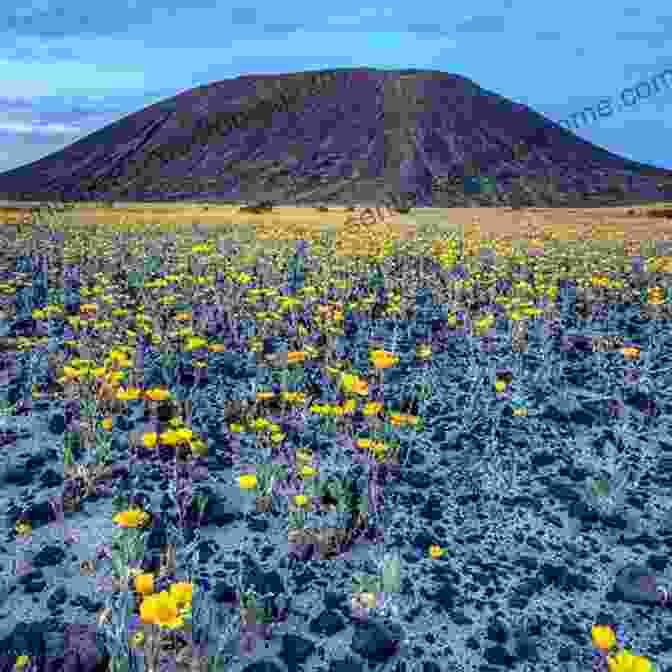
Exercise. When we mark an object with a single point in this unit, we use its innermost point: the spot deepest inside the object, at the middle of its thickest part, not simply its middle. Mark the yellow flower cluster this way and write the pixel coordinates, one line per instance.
(436, 552)
(400, 419)
(423, 352)
(604, 640)
(165, 609)
(350, 382)
(247, 482)
(177, 435)
(294, 397)
(382, 359)
(372, 408)
(334, 410)
(23, 529)
(376, 448)
(132, 518)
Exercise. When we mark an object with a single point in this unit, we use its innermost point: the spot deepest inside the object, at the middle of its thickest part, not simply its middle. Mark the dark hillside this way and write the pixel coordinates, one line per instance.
(346, 135)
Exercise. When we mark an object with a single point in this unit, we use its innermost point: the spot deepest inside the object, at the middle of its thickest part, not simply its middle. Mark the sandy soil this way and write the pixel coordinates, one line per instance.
(504, 224)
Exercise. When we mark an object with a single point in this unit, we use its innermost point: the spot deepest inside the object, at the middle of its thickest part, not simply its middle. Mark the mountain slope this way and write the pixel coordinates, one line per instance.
(347, 135)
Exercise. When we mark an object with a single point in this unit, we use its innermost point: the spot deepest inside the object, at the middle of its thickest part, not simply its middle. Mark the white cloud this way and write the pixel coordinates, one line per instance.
(26, 128)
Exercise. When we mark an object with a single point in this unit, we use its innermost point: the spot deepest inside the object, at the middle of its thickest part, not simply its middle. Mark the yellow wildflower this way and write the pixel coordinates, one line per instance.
(161, 610)
(149, 440)
(630, 352)
(304, 456)
(436, 552)
(70, 373)
(625, 661)
(132, 518)
(372, 408)
(261, 423)
(382, 359)
(398, 419)
(138, 639)
(307, 472)
(423, 352)
(354, 384)
(157, 394)
(199, 448)
(247, 482)
(603, 637)
(144, 584)
(294, 357)
(131, 393)
(169, 438)
(21, 662)
(294, 397)
(194, 343)
(300, 500)
(23, 528)
(182, 592)
(184, 434)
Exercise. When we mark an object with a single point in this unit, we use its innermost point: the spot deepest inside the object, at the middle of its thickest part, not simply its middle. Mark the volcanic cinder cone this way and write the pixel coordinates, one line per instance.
(351, 135)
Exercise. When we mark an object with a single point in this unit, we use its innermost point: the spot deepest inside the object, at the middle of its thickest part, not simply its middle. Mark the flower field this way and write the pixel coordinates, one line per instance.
(255, 444)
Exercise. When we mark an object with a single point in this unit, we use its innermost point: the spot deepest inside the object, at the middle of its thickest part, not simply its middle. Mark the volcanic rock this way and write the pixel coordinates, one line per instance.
(350, 135)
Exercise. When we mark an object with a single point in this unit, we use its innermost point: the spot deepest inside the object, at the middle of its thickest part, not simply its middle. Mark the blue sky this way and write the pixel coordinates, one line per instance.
(69, 68)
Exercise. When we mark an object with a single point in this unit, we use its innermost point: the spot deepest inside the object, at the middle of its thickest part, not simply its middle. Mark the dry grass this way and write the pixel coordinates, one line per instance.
(628, 225)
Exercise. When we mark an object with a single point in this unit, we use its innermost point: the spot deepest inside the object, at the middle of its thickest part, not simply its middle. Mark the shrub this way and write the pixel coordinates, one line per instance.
(260, 206)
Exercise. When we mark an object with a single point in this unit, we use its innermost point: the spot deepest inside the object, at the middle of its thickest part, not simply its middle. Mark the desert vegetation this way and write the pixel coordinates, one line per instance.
(315, 365)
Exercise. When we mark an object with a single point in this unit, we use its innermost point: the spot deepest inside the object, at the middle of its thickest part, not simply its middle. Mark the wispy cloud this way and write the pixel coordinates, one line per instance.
(35, 127)
(482, 24)
(655, 40)
(429, 30)
(548, 35)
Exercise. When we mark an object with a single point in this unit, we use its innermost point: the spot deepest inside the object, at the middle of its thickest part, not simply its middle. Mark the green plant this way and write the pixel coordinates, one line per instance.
(328, 423)
(217, 664)
(89, 408)
(388, 581)
(7, 409)
(120, 502)
(55, 295)
(391, 573)
(152, 264)
(267, 474)
(607, 492)
(136, 279)
(366, 583)
(600, 487)
(201, 502)
(296, 520)
(265, 614)
(342, 492)
(128, 549)
(71, 442)
(169, 362)
(248, 599)
(103, 448)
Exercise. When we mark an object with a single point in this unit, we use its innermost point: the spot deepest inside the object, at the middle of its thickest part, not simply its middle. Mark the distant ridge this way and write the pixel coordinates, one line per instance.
(346, 135)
